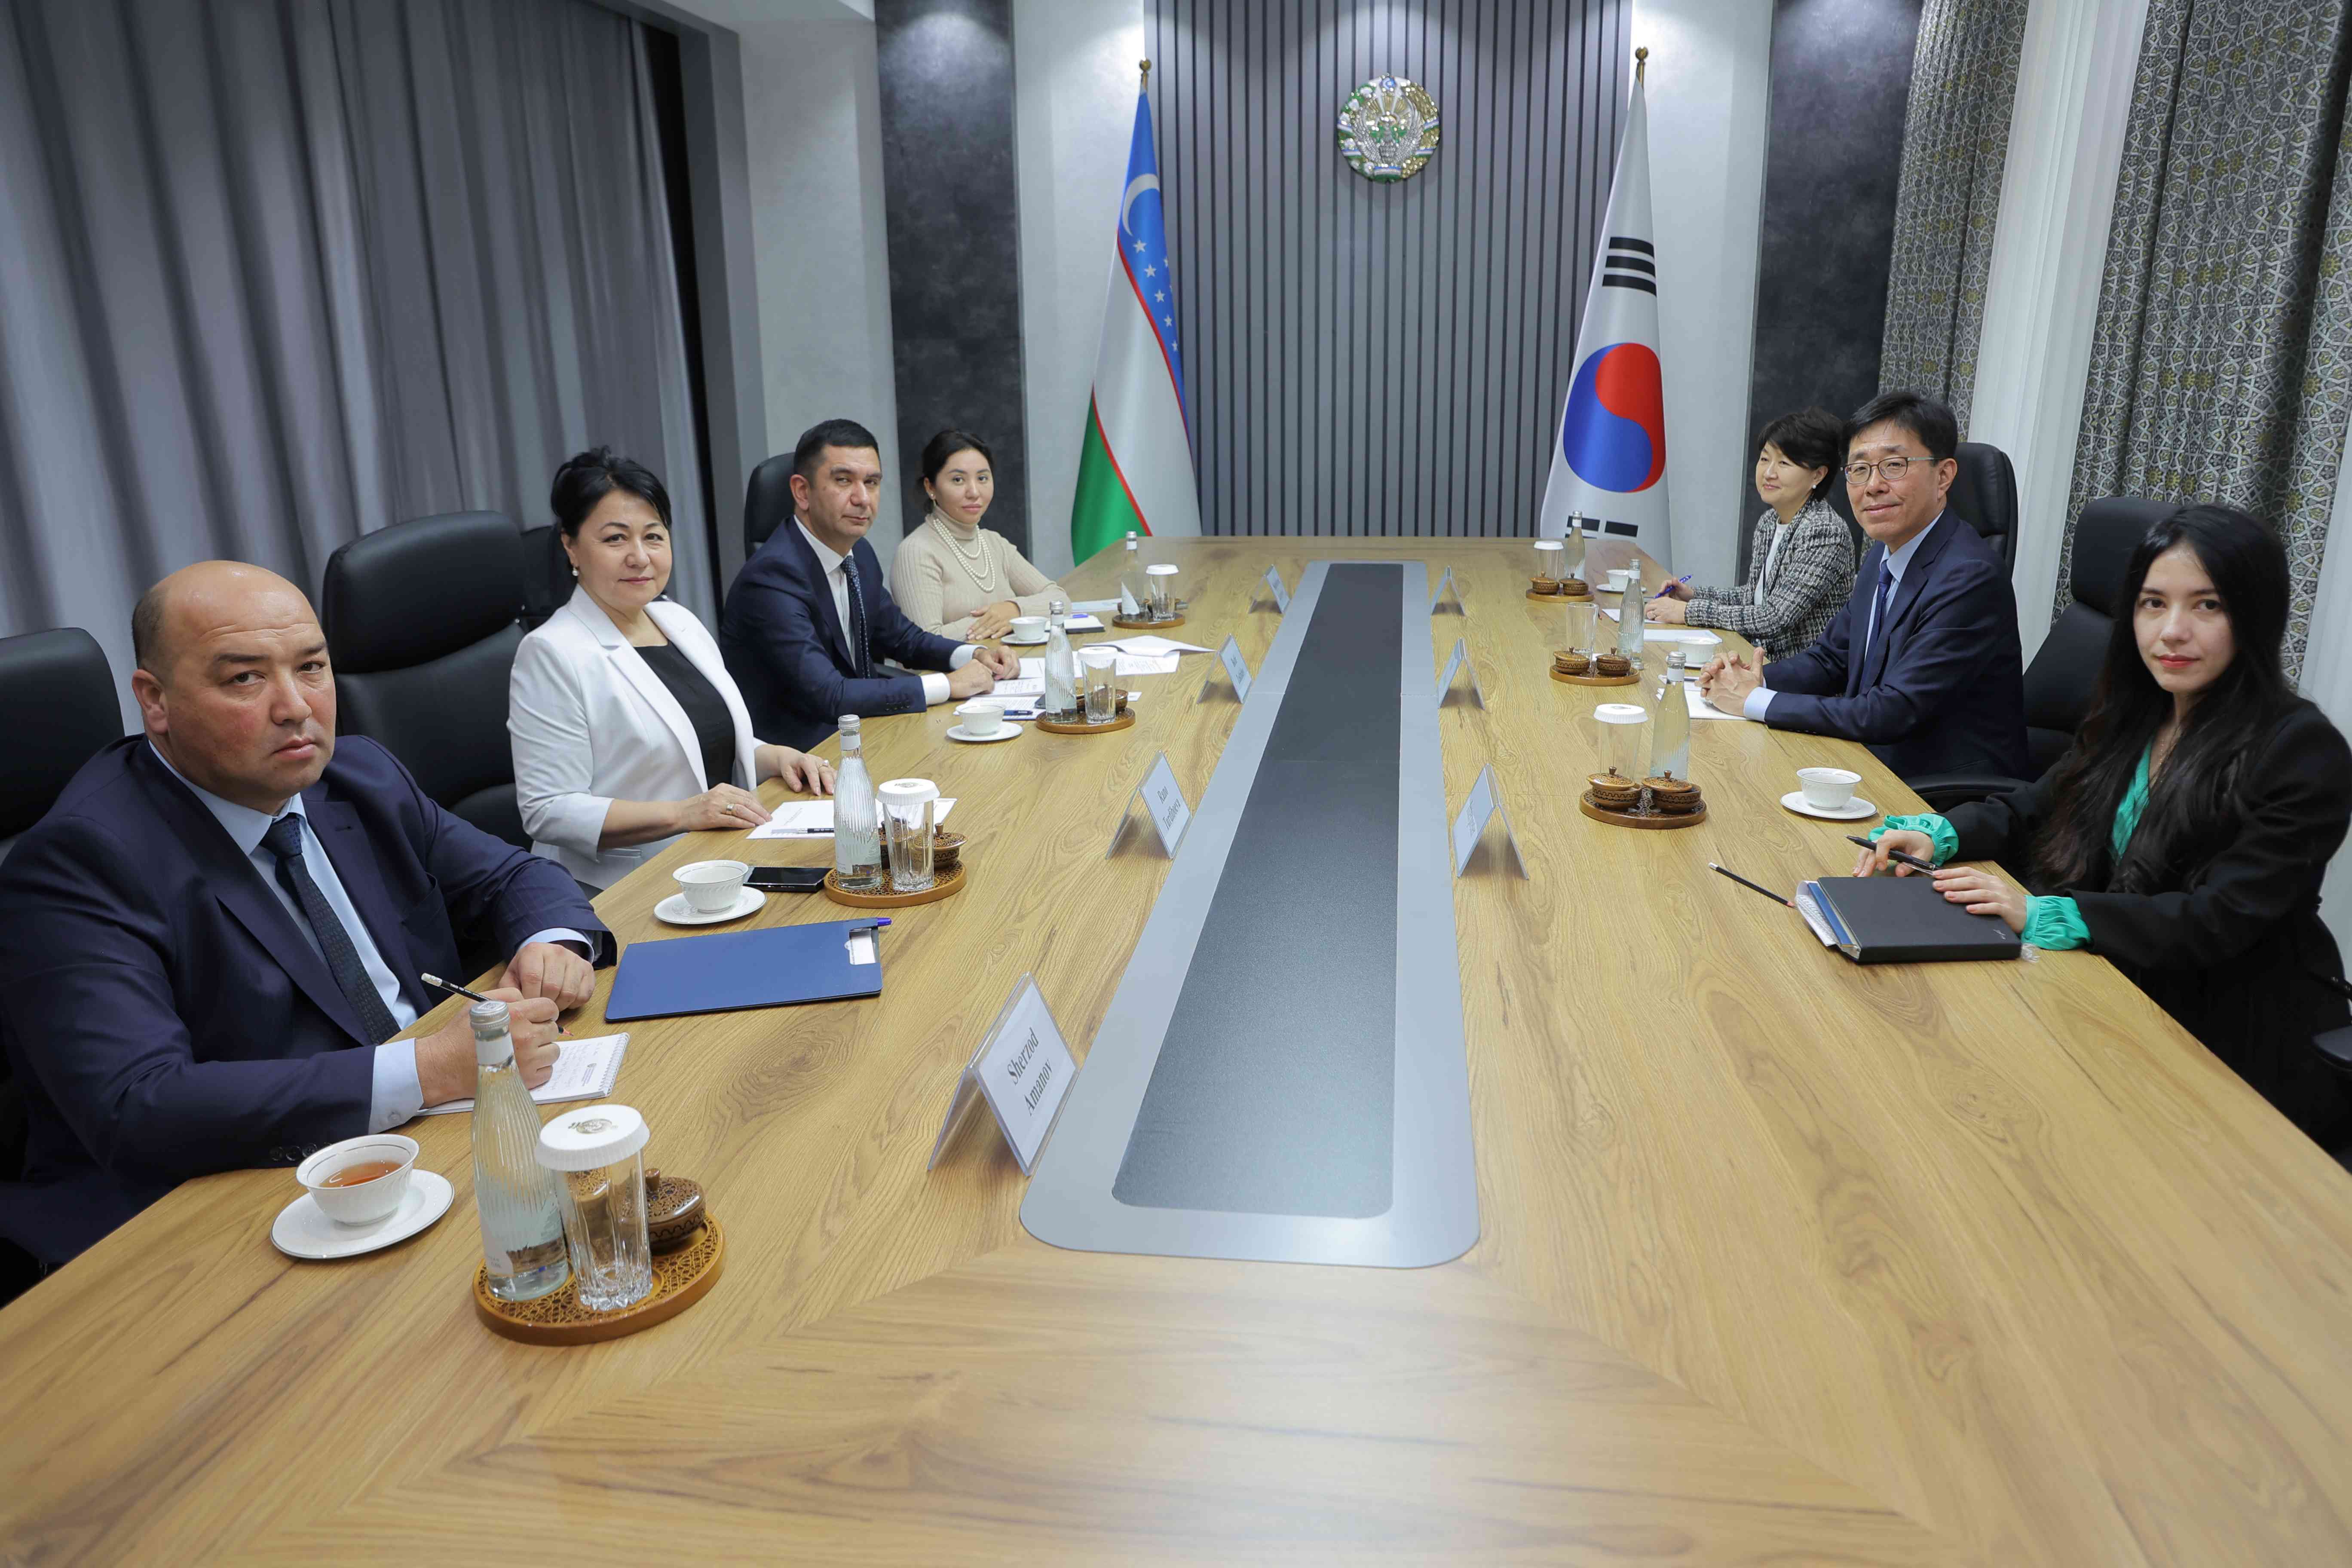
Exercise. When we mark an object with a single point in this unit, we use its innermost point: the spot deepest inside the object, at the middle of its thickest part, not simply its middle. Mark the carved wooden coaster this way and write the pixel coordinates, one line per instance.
(945, 885)
(1586, 804)
(1080, 727)
(680, 1279)
(1144, 622)
(1628, 678)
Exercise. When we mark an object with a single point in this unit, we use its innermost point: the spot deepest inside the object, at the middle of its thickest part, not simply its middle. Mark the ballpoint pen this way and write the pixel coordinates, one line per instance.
(1670, 587)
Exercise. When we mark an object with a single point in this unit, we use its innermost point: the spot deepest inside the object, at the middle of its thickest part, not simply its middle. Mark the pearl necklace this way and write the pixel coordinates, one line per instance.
(983, 575)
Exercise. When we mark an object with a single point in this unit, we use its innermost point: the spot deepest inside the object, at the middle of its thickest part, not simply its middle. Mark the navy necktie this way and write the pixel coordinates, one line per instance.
(284, 840)
(1874, 655)
(859, 657)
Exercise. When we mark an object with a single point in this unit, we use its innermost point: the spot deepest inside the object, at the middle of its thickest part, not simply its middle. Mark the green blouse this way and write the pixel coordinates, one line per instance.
(2050, 922)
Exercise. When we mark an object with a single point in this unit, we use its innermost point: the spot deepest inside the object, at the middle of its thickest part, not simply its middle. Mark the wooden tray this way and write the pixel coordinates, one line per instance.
(1583, 598)
(1057, 727)
(1144, 622)
(942, 888)
(1634, 819)
(680, 1279)
(1628, 678)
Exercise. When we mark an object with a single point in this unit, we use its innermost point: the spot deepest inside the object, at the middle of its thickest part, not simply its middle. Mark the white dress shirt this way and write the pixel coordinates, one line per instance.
(1760, 701)
(397, 1093)
(935, 685)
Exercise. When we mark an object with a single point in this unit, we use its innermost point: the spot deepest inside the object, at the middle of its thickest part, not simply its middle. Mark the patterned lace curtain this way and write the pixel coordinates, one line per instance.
(1955, 143)
(2222, 366)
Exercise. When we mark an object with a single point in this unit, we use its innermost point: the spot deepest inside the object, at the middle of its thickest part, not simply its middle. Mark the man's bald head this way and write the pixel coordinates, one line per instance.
(206, 597)
(234, 683)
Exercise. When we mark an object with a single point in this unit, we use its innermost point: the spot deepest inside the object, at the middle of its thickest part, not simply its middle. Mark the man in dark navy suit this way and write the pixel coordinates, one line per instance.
(808, 621)
(1923, 664)
(208, 941)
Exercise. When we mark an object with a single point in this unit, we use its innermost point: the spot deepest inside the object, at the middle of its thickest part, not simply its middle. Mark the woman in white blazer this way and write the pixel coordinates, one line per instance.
(627, 729)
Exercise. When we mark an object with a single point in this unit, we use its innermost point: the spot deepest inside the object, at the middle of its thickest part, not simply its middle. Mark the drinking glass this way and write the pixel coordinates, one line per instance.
(1582, 614)
(1162, 576)
(1548, 563)
(598, 1157)
(910, 829)
(1100, 667)
(1624, 739)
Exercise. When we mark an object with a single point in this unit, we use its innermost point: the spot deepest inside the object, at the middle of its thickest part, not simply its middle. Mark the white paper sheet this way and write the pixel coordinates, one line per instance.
(1143, 664)
(1027, 685)
(1700, 707)
(584, 1070)
(813, 819)
(1151, 645)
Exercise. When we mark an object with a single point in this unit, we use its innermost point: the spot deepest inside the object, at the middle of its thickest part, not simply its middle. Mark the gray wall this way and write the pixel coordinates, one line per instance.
(951, 195)
(1381, 359)
(1841, 83)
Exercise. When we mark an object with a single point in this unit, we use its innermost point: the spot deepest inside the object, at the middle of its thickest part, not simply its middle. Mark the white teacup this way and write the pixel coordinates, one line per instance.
(1621, 578)
(1028, 628)
(712, 886)
(983, 716)
(363, 1203)
(1828, 789)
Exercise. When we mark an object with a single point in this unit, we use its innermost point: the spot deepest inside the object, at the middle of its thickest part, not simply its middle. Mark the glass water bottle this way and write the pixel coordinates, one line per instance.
(1629, 620)
(522, 1228)
(1670, 736)
(1130, 580)
(1061, 664)
(1572, 563)
(856, 818)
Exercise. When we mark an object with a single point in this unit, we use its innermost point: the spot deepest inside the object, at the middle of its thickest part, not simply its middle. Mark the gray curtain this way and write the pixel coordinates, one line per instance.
(274, 273)
(1955, 144)
(2221, 364)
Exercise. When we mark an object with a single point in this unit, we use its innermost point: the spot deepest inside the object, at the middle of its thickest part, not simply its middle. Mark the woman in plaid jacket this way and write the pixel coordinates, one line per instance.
(1801, 563)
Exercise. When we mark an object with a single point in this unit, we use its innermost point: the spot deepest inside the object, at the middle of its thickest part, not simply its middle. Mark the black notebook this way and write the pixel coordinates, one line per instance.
(1903, 920)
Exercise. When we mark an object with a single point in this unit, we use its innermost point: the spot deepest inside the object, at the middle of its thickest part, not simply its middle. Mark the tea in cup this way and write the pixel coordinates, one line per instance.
(359, 1180)
(712, 886)
(1828, 789)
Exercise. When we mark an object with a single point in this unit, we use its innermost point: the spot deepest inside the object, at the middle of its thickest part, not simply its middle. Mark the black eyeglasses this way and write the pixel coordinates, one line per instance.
(1893, 467)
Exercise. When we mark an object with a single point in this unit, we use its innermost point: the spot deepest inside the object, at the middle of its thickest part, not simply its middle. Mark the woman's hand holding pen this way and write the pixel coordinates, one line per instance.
(1879, 857)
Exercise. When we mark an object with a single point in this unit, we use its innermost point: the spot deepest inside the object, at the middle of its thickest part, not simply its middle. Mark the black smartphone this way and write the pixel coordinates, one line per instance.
(786, 879)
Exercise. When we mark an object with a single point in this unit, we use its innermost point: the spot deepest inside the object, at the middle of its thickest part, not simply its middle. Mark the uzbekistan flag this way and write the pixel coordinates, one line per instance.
(1134, 470)
(1609, 461)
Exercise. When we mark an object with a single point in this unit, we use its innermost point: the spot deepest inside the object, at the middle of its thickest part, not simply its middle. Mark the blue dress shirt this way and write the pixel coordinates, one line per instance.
(397, 1094)
(1760, 701)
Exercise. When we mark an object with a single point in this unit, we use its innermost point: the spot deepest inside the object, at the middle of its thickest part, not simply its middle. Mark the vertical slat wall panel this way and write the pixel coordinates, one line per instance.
(1382, 359)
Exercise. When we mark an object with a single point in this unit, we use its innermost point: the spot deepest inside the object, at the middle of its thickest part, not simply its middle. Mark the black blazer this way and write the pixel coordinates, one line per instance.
(1951, 696)
(2234, 947)
(163, 1013)
(782, 640)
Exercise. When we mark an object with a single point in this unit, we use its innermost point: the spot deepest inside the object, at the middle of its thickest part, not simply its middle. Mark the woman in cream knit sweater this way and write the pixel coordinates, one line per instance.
(952, 576)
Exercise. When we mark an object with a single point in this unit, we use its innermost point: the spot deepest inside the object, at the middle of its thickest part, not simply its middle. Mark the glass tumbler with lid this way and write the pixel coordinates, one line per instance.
(597, 1155)
(1160, 578)
(1099, 667)
(910, 810)
(1624, 739)
(1547, 564)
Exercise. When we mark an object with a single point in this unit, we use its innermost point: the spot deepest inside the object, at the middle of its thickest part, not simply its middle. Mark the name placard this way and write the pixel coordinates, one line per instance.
(1281, 594)
(1453, 666)
(1446, 585)
(1163, 802)
(1023, 1069)
(1486, 804)
(1237, 670)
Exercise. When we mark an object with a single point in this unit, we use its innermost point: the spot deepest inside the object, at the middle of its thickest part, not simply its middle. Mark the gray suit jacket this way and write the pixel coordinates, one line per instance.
(1808, 586)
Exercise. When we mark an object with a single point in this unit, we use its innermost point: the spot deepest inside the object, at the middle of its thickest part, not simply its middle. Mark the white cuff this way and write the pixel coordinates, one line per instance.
(1760, 702)
(935, 689)
(561, 936)
(398, 1095)
(963, 655)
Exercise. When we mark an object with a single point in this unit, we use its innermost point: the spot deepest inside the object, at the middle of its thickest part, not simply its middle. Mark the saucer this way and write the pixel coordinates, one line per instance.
(1006, 732)
(304, 1231)
(675, 911)
(1010, 641)
(1857, 809)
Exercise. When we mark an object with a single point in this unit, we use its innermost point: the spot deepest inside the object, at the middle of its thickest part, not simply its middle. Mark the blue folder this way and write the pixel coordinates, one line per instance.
(772, 967)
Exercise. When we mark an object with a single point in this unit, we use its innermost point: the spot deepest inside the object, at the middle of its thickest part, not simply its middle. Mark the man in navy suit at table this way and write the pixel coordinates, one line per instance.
(1922, 664)
(808, 622)
(207, 944)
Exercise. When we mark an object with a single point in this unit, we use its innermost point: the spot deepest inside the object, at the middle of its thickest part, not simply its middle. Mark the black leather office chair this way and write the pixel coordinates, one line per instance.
(766, 501)
(58, 709)
(2064, 674)
(1984, 492)
(422, 619)
(546, 581)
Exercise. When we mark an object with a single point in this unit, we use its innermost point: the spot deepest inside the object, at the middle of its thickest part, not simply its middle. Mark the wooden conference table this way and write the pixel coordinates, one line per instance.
(1782, 1260)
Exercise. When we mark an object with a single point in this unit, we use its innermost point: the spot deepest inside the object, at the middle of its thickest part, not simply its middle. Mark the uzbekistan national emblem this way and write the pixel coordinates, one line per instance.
(1388, 129)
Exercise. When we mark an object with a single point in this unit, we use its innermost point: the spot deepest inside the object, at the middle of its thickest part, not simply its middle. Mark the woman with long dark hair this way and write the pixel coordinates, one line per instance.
(2184, 834)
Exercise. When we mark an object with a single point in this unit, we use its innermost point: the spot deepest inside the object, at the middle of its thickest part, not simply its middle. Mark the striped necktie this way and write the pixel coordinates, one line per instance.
(284, 840)
(860, 656)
